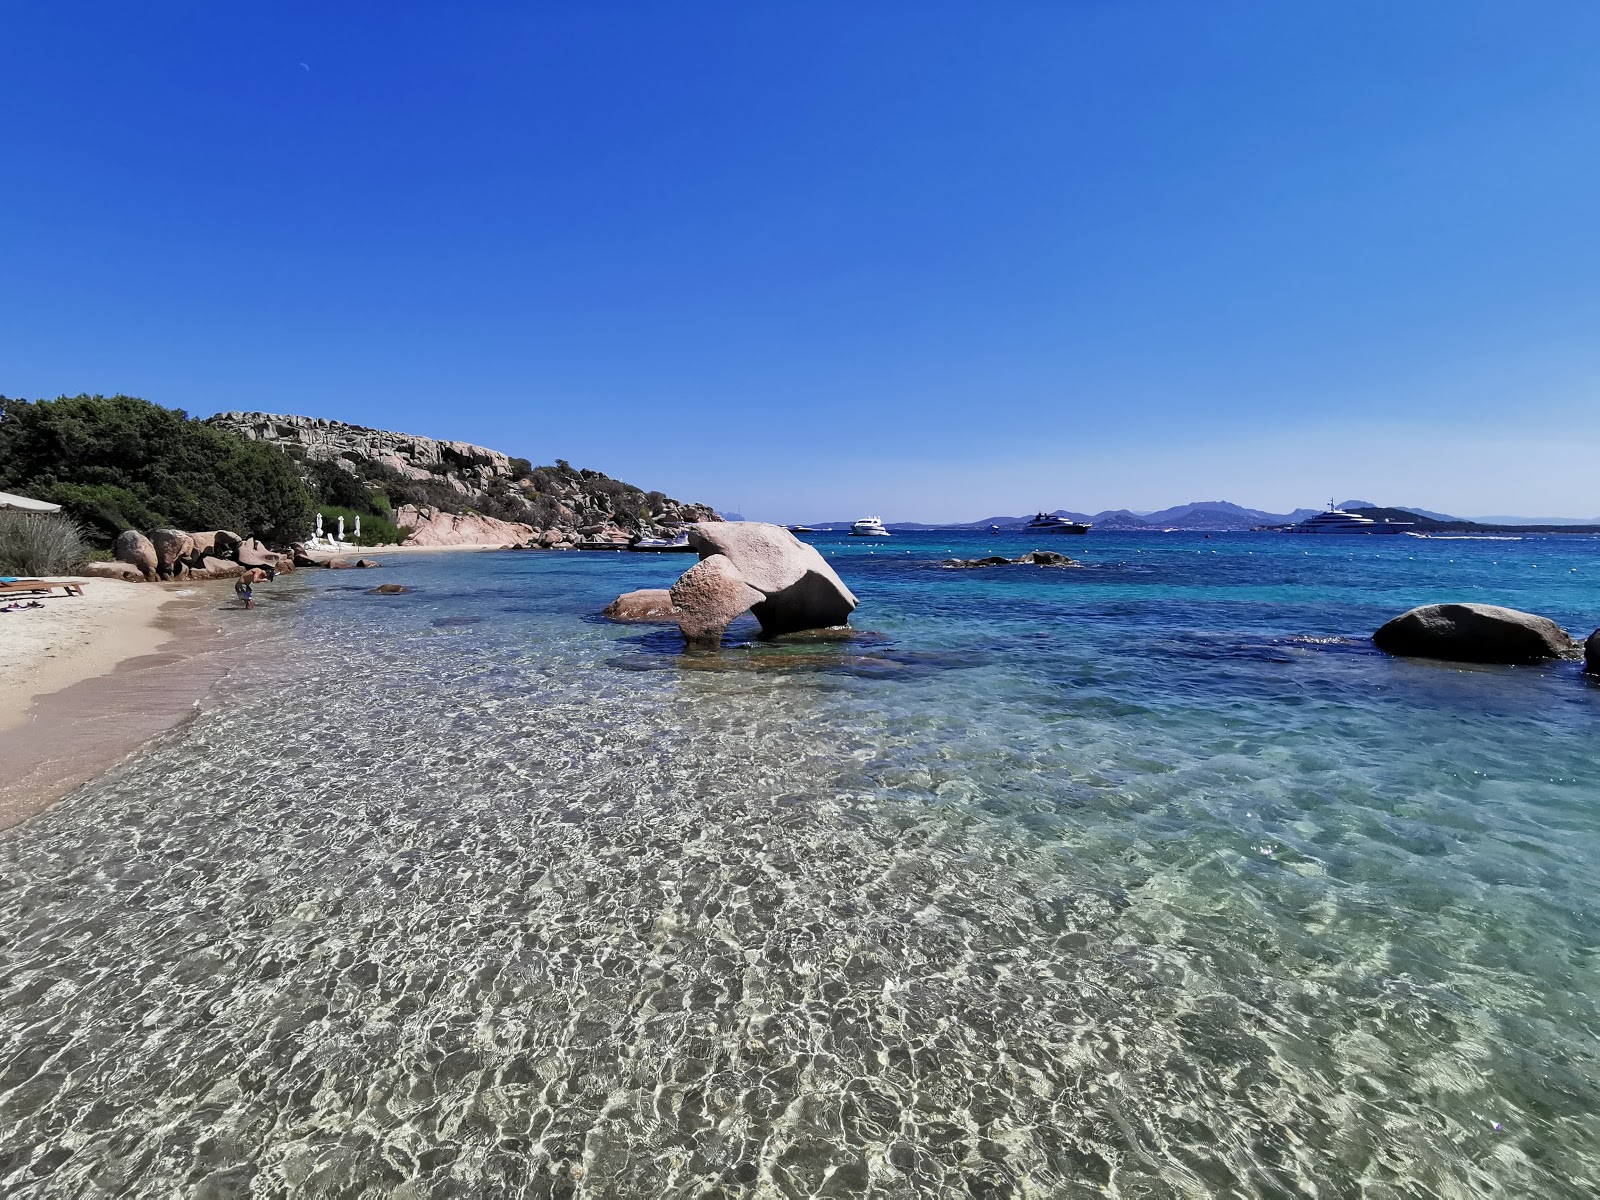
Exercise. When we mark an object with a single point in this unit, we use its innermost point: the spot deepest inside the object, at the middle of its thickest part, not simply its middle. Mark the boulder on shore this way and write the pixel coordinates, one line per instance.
(646, 604)
(798, 589)
(1478, 633)
(252, 552)
(173, 548)
(133, 548)
(708, 596)
(434, 527)
(1591, 653)
(112, 570)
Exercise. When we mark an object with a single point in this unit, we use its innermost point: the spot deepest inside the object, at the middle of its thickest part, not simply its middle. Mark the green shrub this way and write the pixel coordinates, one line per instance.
(118, 462)
(41, 544)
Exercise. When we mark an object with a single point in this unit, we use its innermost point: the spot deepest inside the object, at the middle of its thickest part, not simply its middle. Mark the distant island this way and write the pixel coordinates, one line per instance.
(1224, 516)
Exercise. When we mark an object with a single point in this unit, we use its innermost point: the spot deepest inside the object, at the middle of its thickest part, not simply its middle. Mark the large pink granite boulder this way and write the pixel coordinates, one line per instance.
(134, 548)
(799, 590)
(707, 597)
(173, 548)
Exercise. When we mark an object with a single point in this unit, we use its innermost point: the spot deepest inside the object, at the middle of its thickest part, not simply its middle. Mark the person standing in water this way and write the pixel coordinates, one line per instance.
(241, 586)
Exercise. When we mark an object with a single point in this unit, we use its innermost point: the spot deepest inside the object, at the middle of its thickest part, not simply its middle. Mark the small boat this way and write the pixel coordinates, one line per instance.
(1050, 523)
(801, 529)
(994, 529)
(1336, 520)
(869, 527)
(674, 545)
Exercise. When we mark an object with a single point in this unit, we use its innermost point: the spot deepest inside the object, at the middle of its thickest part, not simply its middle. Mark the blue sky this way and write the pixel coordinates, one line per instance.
(933, 261)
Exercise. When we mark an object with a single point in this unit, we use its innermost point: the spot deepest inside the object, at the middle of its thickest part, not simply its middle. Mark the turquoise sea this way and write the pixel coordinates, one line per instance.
(1147, 879)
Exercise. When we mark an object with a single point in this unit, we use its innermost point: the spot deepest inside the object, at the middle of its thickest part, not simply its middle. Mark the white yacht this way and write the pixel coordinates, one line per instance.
(1336, 520)
(869, 527)
(1050, 523)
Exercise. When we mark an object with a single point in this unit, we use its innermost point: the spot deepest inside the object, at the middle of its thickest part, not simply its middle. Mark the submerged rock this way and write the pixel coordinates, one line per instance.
(1036, 558)
(708, 596)
(133, 548)
(646, 604)
(1591, 653)
(799, 590)
(388, 589)
(1480, 633)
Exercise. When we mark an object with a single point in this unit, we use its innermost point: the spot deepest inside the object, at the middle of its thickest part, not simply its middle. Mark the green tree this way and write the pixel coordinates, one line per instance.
(118, 462)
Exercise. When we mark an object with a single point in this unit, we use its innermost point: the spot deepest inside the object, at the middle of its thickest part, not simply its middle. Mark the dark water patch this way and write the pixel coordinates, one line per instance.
(450, 622)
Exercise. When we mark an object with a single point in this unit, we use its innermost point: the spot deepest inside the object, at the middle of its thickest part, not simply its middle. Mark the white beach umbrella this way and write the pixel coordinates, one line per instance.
(22, 503)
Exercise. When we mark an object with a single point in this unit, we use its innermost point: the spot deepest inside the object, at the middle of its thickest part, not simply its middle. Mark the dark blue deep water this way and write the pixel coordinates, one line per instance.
(1150, 878)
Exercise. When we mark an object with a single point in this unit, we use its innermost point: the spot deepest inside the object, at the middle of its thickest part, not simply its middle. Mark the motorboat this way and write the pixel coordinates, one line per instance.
(1337, 520)
(869, 527)
(1050, 523)
(673, 545)
(801, 529)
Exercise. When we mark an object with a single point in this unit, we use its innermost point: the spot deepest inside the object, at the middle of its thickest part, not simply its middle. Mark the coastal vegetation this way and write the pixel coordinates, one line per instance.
(119, 462)
(41, 544)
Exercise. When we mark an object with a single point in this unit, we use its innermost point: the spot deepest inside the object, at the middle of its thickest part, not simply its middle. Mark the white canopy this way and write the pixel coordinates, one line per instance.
(7, 500)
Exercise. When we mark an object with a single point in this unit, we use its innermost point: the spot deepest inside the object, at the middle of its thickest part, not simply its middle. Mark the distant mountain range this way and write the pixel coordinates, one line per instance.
(1220, 515)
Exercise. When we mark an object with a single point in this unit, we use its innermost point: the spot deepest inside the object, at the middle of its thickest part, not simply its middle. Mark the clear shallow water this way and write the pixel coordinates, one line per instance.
(1147, 879)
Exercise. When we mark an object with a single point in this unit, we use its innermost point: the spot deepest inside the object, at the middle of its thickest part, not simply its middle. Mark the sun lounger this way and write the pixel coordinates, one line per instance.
(37, 587)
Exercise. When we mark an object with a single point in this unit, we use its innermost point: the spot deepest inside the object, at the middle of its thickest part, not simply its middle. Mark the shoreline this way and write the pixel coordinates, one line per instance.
(89, 680)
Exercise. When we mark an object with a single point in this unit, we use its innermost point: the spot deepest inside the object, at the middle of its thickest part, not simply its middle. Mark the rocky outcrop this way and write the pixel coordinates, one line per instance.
(1036, 558)
(216, 568)
(707, 598)
(1591, 653)
(646, 604)
(253, 553)
(467, 468)
(133, 548)
(799, 590)
(1477, 633)
(434, 527)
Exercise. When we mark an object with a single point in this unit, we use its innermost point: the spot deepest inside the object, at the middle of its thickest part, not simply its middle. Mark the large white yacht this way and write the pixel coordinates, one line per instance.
(1050, 523)
(1336, 520)
(869, 527)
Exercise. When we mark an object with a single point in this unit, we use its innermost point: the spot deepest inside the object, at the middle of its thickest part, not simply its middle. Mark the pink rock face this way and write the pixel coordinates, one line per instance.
(799, 590)
(434, 527)
(173, 547)
(135, 549)
(217, 568)
(708, 596)
(647, 604)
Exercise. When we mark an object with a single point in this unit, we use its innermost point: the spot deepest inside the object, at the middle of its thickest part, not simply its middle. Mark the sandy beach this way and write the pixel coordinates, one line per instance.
(86, 680)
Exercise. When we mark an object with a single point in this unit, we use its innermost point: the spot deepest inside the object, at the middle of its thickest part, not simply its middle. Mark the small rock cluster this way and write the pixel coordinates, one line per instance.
(1036, 558)
(178, 554)
(1483, 633)
(744, 567)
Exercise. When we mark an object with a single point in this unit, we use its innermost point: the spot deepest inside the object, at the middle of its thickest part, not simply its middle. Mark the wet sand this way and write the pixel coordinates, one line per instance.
(85, 687)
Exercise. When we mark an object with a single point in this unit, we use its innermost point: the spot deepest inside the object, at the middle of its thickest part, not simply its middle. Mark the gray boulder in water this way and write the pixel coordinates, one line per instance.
(1591, 653)
(799, 590)
(1478, 633)
(646, 604)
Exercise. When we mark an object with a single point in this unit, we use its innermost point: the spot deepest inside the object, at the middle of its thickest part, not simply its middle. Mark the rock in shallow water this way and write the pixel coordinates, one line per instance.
(1480, 633)
(1035, 558)
(646, 604)
(1591, 653)
(707, 597)
(388, 589)
(799, 590)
